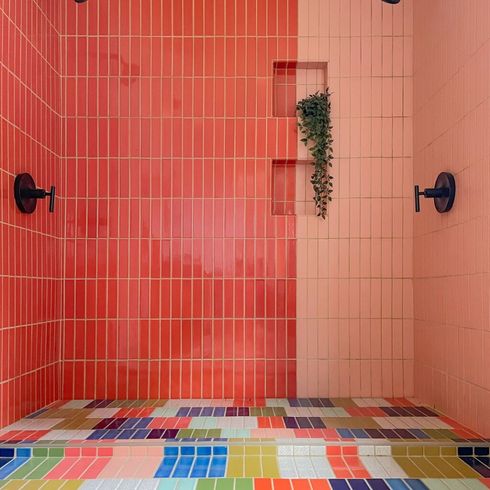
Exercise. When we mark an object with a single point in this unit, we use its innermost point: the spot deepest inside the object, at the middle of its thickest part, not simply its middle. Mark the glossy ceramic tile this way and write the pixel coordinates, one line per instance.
(452, 330)
(180, 282)
(354, 270)
(333, 420)
(220, 461)
(31, 246)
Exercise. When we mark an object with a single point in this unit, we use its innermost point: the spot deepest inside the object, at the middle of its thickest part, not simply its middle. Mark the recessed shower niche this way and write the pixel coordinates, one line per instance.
(294, 80)
(292, 192)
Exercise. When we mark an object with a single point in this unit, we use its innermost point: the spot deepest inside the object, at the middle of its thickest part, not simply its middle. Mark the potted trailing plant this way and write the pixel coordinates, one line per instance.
(315, 124)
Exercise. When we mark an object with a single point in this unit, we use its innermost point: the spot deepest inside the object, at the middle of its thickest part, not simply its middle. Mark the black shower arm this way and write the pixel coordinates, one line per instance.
(429, 193)
(40, 194)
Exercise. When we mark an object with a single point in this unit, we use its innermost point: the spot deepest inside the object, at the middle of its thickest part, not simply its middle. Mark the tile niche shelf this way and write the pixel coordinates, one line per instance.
(292, 192)
(294, 80)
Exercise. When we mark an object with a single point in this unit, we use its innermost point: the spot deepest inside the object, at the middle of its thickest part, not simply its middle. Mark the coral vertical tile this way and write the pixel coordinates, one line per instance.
(150, 239)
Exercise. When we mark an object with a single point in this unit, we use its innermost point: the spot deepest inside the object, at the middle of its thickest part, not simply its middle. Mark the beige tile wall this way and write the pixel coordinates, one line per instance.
(451, 251)
(355, 305)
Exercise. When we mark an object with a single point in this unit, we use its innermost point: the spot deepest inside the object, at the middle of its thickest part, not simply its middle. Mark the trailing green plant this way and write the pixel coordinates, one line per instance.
(315, 123)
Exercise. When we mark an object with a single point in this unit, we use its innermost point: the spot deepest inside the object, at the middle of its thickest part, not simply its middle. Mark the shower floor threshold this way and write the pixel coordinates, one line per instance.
(239, 463)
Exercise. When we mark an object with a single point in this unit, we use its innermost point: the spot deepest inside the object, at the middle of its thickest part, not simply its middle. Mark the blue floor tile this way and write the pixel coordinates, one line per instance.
(166, 467)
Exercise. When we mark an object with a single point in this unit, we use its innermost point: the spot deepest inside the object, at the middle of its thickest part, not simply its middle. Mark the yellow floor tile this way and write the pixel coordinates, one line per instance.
(14, 485)
(416, 451)
(432, 451)
(253, 466)
(409, 467)
(53, 485)
(252, 450)
(235, 467)
(429, 469)
(72, 485)
(34, 485)
(462, 467)
(444, 467)
(270, 468)
(449, 451)
(269, 450)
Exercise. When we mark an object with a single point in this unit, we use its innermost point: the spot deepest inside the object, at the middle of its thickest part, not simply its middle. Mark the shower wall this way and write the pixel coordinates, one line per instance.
(179, 280)
(31, 246)
(355, 306)
(451, 252)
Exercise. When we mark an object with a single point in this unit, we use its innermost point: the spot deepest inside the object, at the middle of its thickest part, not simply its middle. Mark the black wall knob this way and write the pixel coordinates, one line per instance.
(443, 193)
(26, 194)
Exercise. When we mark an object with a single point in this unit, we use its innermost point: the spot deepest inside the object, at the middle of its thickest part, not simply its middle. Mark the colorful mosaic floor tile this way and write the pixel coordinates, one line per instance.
(332, 420)
(269, 462)
(249, 484)
(300, 444)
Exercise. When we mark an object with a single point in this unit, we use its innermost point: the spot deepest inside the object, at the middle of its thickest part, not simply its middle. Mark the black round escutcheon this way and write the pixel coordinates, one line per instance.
(445, 180)
(22, 183)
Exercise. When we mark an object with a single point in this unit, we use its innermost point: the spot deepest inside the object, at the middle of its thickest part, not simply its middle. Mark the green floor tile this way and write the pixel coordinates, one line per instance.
(56, 452)
(185, 433)
(224, 484)
(206, 484)
(199, 433)
(244, 484)
(40, 452)
(44, 468)
(25, 469)
(280, 412)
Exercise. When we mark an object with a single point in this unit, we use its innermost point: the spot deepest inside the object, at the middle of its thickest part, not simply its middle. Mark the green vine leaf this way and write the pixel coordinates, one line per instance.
(315, 123)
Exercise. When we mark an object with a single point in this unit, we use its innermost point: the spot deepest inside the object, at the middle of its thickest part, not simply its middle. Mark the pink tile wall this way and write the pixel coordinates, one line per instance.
(451, 252)
(31, 246)
(179, 280)
(355, 313)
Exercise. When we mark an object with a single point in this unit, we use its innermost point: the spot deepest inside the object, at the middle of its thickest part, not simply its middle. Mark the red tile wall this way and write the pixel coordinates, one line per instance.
(31, 246)
(179, 280)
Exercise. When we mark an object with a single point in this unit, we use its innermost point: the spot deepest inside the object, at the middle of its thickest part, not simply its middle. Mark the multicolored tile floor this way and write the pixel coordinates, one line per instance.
(332, 420)
(308, 444)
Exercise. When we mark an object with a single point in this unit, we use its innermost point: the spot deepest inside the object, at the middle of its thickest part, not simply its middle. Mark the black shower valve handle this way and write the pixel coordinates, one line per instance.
(41, 194)
(417, 198)
(52, 195)
(443, 193)
(26, 194)
(429, 193)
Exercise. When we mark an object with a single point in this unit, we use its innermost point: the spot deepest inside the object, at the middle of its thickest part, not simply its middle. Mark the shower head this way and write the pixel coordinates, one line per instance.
(392, 2)
(80, 1)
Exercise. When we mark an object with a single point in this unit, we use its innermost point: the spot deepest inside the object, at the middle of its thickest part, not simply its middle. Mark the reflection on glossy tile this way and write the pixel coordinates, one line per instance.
(180, 282)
